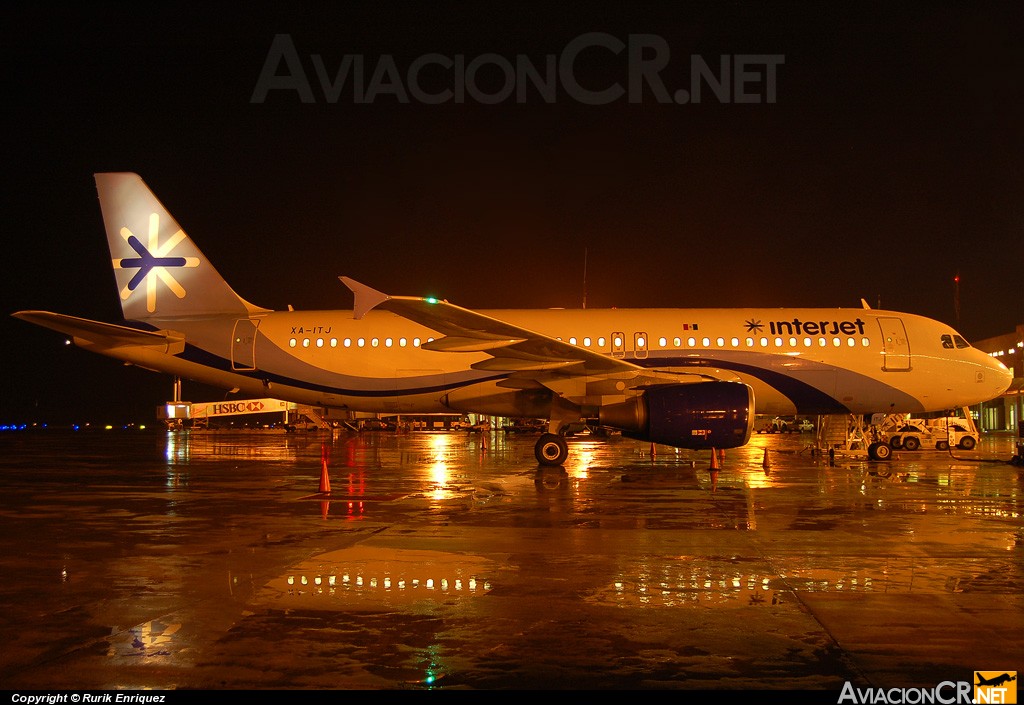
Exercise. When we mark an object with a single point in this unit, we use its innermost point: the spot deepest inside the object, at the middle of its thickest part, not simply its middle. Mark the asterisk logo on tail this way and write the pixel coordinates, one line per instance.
(153, 263)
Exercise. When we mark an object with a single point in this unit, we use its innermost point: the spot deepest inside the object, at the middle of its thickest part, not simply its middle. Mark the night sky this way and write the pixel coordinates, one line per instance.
(889, 162)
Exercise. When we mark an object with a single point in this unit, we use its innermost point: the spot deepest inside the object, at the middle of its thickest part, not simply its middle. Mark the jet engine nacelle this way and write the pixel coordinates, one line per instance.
(696, 416)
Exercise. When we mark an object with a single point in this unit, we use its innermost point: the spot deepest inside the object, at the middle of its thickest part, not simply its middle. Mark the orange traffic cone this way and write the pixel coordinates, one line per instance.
(713, 469)
(325, 479)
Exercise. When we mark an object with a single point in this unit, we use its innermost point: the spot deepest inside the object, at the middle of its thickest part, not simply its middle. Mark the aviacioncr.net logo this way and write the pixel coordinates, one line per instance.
(995, 687)
(153, 263)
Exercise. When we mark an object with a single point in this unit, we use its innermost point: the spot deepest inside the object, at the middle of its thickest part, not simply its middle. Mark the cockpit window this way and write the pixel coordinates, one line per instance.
(951, 341)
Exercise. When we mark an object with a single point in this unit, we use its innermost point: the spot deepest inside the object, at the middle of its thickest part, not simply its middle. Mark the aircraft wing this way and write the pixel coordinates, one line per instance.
(106, 335)
(511, 347)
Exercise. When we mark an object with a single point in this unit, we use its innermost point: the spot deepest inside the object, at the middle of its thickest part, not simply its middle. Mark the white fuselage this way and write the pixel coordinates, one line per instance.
(810, 361)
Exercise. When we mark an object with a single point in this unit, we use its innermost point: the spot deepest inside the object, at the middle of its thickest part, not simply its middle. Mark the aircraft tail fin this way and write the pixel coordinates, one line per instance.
(160, 272)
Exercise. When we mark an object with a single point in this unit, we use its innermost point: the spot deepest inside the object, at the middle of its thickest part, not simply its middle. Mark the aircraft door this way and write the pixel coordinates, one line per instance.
(618, 341)
(896, 346)
(640, 345)
(243, 344)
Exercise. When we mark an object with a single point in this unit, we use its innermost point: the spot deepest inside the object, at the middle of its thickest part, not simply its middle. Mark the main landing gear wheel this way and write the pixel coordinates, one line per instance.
(879, 451)
(551, 449)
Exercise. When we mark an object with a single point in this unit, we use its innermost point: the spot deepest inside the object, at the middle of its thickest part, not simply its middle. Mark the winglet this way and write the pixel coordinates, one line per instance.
(367, 298)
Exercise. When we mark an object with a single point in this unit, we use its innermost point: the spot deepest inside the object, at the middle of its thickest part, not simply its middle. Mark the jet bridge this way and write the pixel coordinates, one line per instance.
(179, 414)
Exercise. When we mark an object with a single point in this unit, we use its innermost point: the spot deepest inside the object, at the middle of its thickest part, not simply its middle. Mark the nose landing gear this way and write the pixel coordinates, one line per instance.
(879, 451)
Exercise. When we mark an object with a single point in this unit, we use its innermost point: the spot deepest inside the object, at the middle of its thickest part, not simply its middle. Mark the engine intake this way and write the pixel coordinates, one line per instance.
(697, 416)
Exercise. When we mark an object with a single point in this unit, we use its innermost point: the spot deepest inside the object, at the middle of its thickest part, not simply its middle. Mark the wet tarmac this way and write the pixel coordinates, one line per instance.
(213, 560)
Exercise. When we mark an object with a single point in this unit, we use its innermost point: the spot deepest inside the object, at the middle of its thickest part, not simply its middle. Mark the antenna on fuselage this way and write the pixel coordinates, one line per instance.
(584, 277)
(956, 298)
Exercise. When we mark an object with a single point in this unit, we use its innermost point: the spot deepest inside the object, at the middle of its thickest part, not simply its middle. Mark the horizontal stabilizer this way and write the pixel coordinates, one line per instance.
(99, 333)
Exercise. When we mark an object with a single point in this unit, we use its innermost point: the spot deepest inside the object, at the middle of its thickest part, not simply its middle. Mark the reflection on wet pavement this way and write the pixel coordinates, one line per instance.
(215, 560)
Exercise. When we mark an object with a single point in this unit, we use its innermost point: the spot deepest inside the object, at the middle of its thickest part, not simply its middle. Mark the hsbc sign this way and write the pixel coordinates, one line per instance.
(206, 410)
(237, 407)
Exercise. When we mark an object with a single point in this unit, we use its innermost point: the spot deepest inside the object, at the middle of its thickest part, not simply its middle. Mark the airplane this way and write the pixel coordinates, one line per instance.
(688, 378)
(997, 680)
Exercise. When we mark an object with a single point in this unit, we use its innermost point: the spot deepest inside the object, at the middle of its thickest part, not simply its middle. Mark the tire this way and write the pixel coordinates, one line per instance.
(551, 449)
(967, 443)
(894, 443)
(911, 443)
(879, 451)
(942, 445)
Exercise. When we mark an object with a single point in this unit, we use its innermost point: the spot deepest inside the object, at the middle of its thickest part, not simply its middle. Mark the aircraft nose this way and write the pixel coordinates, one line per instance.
(1001, 373)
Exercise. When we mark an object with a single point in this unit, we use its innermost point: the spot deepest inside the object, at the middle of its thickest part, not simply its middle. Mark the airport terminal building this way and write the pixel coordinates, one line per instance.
(1004, 413)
